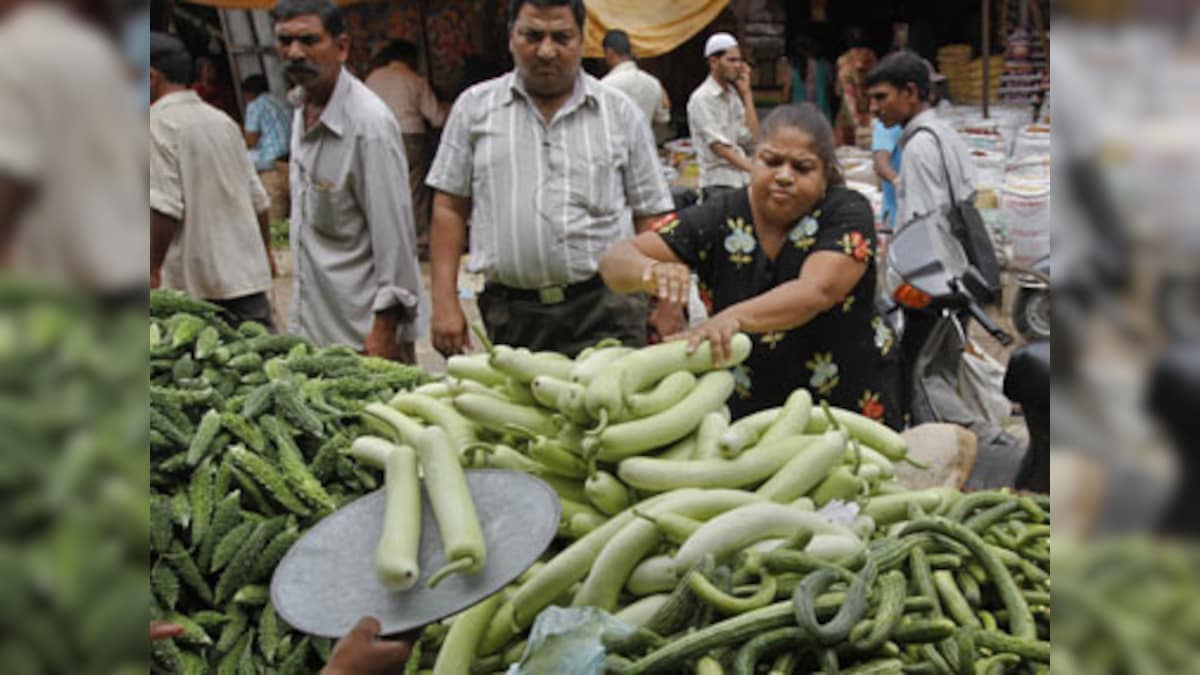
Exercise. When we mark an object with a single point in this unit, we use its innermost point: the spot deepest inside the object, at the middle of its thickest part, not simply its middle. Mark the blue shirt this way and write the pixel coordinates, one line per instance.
(271, 119)
(888, 138)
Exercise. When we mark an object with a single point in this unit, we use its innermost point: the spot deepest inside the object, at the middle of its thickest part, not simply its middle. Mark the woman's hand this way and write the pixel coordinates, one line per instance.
(718, 331)
(667, 281)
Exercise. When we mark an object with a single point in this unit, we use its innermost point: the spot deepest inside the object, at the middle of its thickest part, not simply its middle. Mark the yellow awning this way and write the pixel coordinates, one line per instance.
(654, 27)
(251, 4)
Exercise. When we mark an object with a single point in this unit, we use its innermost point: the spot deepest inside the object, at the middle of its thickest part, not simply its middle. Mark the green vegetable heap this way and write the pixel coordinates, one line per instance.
(247, 438)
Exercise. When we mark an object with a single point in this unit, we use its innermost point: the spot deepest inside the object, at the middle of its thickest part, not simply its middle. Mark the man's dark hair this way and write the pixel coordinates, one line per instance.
(330, 14)
(255, 84)
(400, 50)
(576, 6)
(618, 41)
(899, 69)
(807, 118)
(169, 57)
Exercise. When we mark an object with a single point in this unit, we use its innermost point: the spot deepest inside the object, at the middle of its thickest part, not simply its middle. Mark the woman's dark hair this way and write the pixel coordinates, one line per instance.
(899, 69)
(576, 8)
(400, 50)
(803, 49)
(169, 57)
(807, 118)
(255, 84)
(330, 14)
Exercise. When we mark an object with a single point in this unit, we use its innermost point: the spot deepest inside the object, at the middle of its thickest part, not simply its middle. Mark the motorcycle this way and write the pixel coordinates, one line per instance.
(932, 292)
(1027, 382)
(1177, 300)
(1174, 389)
(1031, 305)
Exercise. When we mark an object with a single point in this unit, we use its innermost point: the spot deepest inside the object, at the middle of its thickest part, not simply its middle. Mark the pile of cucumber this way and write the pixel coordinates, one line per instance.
(963, 587)
(248, 440)
(1128, 604)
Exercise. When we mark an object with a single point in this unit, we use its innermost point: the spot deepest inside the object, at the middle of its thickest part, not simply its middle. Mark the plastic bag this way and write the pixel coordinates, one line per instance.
(981, 384)
(569, 641)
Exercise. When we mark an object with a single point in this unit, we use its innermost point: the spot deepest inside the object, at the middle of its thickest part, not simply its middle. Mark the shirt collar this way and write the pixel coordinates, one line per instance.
(714, 87)
(584, 92)
(336, 113)
(624, 66)
(919, 120)
(185, 96)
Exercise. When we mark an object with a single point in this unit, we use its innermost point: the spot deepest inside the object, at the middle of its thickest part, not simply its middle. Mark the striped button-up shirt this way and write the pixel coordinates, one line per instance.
(547, 199)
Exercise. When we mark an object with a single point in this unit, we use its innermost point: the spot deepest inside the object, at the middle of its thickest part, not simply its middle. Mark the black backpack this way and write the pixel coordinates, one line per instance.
(967, 226)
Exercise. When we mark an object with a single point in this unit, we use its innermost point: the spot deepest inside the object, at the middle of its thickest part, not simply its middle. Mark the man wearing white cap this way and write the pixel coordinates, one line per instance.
(722, 118)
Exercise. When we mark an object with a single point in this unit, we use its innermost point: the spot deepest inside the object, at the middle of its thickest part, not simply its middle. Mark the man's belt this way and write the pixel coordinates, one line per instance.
(548, 295)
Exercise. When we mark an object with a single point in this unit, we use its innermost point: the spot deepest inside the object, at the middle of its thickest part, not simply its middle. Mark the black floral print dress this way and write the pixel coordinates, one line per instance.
(847, 355)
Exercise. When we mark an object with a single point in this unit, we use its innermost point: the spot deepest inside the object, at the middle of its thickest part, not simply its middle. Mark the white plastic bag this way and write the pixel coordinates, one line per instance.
(981, 384)
(569, 641)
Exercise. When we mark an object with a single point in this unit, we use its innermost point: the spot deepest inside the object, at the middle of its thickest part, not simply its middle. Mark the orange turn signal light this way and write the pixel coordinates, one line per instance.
(911, 297)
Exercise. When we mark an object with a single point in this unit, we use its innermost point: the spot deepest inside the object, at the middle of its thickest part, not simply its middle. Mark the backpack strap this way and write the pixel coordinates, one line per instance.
(945, 164)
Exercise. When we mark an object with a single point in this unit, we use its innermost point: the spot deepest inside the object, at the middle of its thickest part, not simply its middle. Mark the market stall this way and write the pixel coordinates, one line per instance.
(686, 540)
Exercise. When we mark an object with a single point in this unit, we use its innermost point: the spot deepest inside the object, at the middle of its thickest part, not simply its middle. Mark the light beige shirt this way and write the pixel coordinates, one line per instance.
(408, 95)
(716, 115)
(645, 90)
(353, 239)
(548, 199)
(71, 127)
(925, 167)
(200, 174)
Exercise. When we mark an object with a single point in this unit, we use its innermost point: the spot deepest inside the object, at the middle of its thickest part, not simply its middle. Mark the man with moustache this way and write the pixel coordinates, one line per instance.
(722, 118)
(353, 241)
(550, 167)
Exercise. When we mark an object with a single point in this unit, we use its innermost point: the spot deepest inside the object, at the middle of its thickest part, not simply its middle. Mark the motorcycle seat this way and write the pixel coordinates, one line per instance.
(1027, 380)
(1175, 389)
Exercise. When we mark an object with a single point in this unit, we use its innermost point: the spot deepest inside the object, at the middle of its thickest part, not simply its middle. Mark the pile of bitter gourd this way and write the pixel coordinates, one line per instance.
(248, 432)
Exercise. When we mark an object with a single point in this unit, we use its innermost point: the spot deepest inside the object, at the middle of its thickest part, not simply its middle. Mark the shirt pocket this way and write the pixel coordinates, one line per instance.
(331, 210)
(597, 183)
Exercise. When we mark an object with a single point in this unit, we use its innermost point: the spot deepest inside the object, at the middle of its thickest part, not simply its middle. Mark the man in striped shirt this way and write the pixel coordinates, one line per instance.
(550, 167)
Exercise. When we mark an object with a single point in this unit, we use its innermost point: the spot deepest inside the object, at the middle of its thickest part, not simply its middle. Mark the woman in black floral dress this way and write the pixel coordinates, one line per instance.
(789, 260)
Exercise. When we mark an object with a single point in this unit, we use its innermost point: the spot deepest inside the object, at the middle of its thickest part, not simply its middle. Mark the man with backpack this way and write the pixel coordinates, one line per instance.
(936, 168)
(936, 177)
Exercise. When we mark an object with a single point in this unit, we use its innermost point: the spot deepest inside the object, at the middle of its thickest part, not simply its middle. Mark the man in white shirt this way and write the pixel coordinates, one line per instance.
(209, 233)
(624, 75)
(932, 153)
(72, 153)
(722, 117)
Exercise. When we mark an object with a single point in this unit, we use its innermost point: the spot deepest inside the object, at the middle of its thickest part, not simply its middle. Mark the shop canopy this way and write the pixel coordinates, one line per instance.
(251, 4)
(654, 28)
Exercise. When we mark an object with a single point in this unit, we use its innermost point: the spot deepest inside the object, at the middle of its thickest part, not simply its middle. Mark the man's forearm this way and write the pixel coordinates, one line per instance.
(162, 231)
(751, 112)
(883, 166)
(447, 240)
(264, 229)
(14, 197)
(732, 156)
